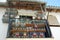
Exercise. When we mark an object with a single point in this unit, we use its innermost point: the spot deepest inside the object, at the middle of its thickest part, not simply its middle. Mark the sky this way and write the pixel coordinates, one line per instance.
(49, 2)
(53, 2)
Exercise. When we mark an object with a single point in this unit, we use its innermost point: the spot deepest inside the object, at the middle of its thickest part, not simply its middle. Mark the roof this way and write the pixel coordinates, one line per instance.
(53, 7)
(29, 1)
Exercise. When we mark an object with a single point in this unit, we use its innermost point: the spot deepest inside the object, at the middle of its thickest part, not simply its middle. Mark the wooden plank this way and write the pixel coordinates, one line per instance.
(28, 31)
(54, 25)
(33, 25)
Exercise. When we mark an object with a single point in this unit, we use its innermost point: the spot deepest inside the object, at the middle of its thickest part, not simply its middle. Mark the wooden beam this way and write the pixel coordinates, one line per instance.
(28, 30)
(54, 25)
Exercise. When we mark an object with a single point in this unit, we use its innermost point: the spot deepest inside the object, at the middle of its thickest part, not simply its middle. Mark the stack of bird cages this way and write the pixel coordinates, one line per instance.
(10, 12)
(34, 29)
(19, 28)
(5, 18)
(26, 27)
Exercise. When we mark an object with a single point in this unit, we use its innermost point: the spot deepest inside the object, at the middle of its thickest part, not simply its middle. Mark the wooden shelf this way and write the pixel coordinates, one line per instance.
(32, 25)
(29, 25)
(28, 31)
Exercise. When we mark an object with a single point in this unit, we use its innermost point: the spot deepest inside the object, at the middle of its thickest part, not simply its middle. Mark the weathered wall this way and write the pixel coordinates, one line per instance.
(54, 18)
(3, 26)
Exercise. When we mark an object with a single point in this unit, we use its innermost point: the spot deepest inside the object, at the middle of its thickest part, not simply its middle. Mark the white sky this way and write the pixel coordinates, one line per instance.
(2, 0)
